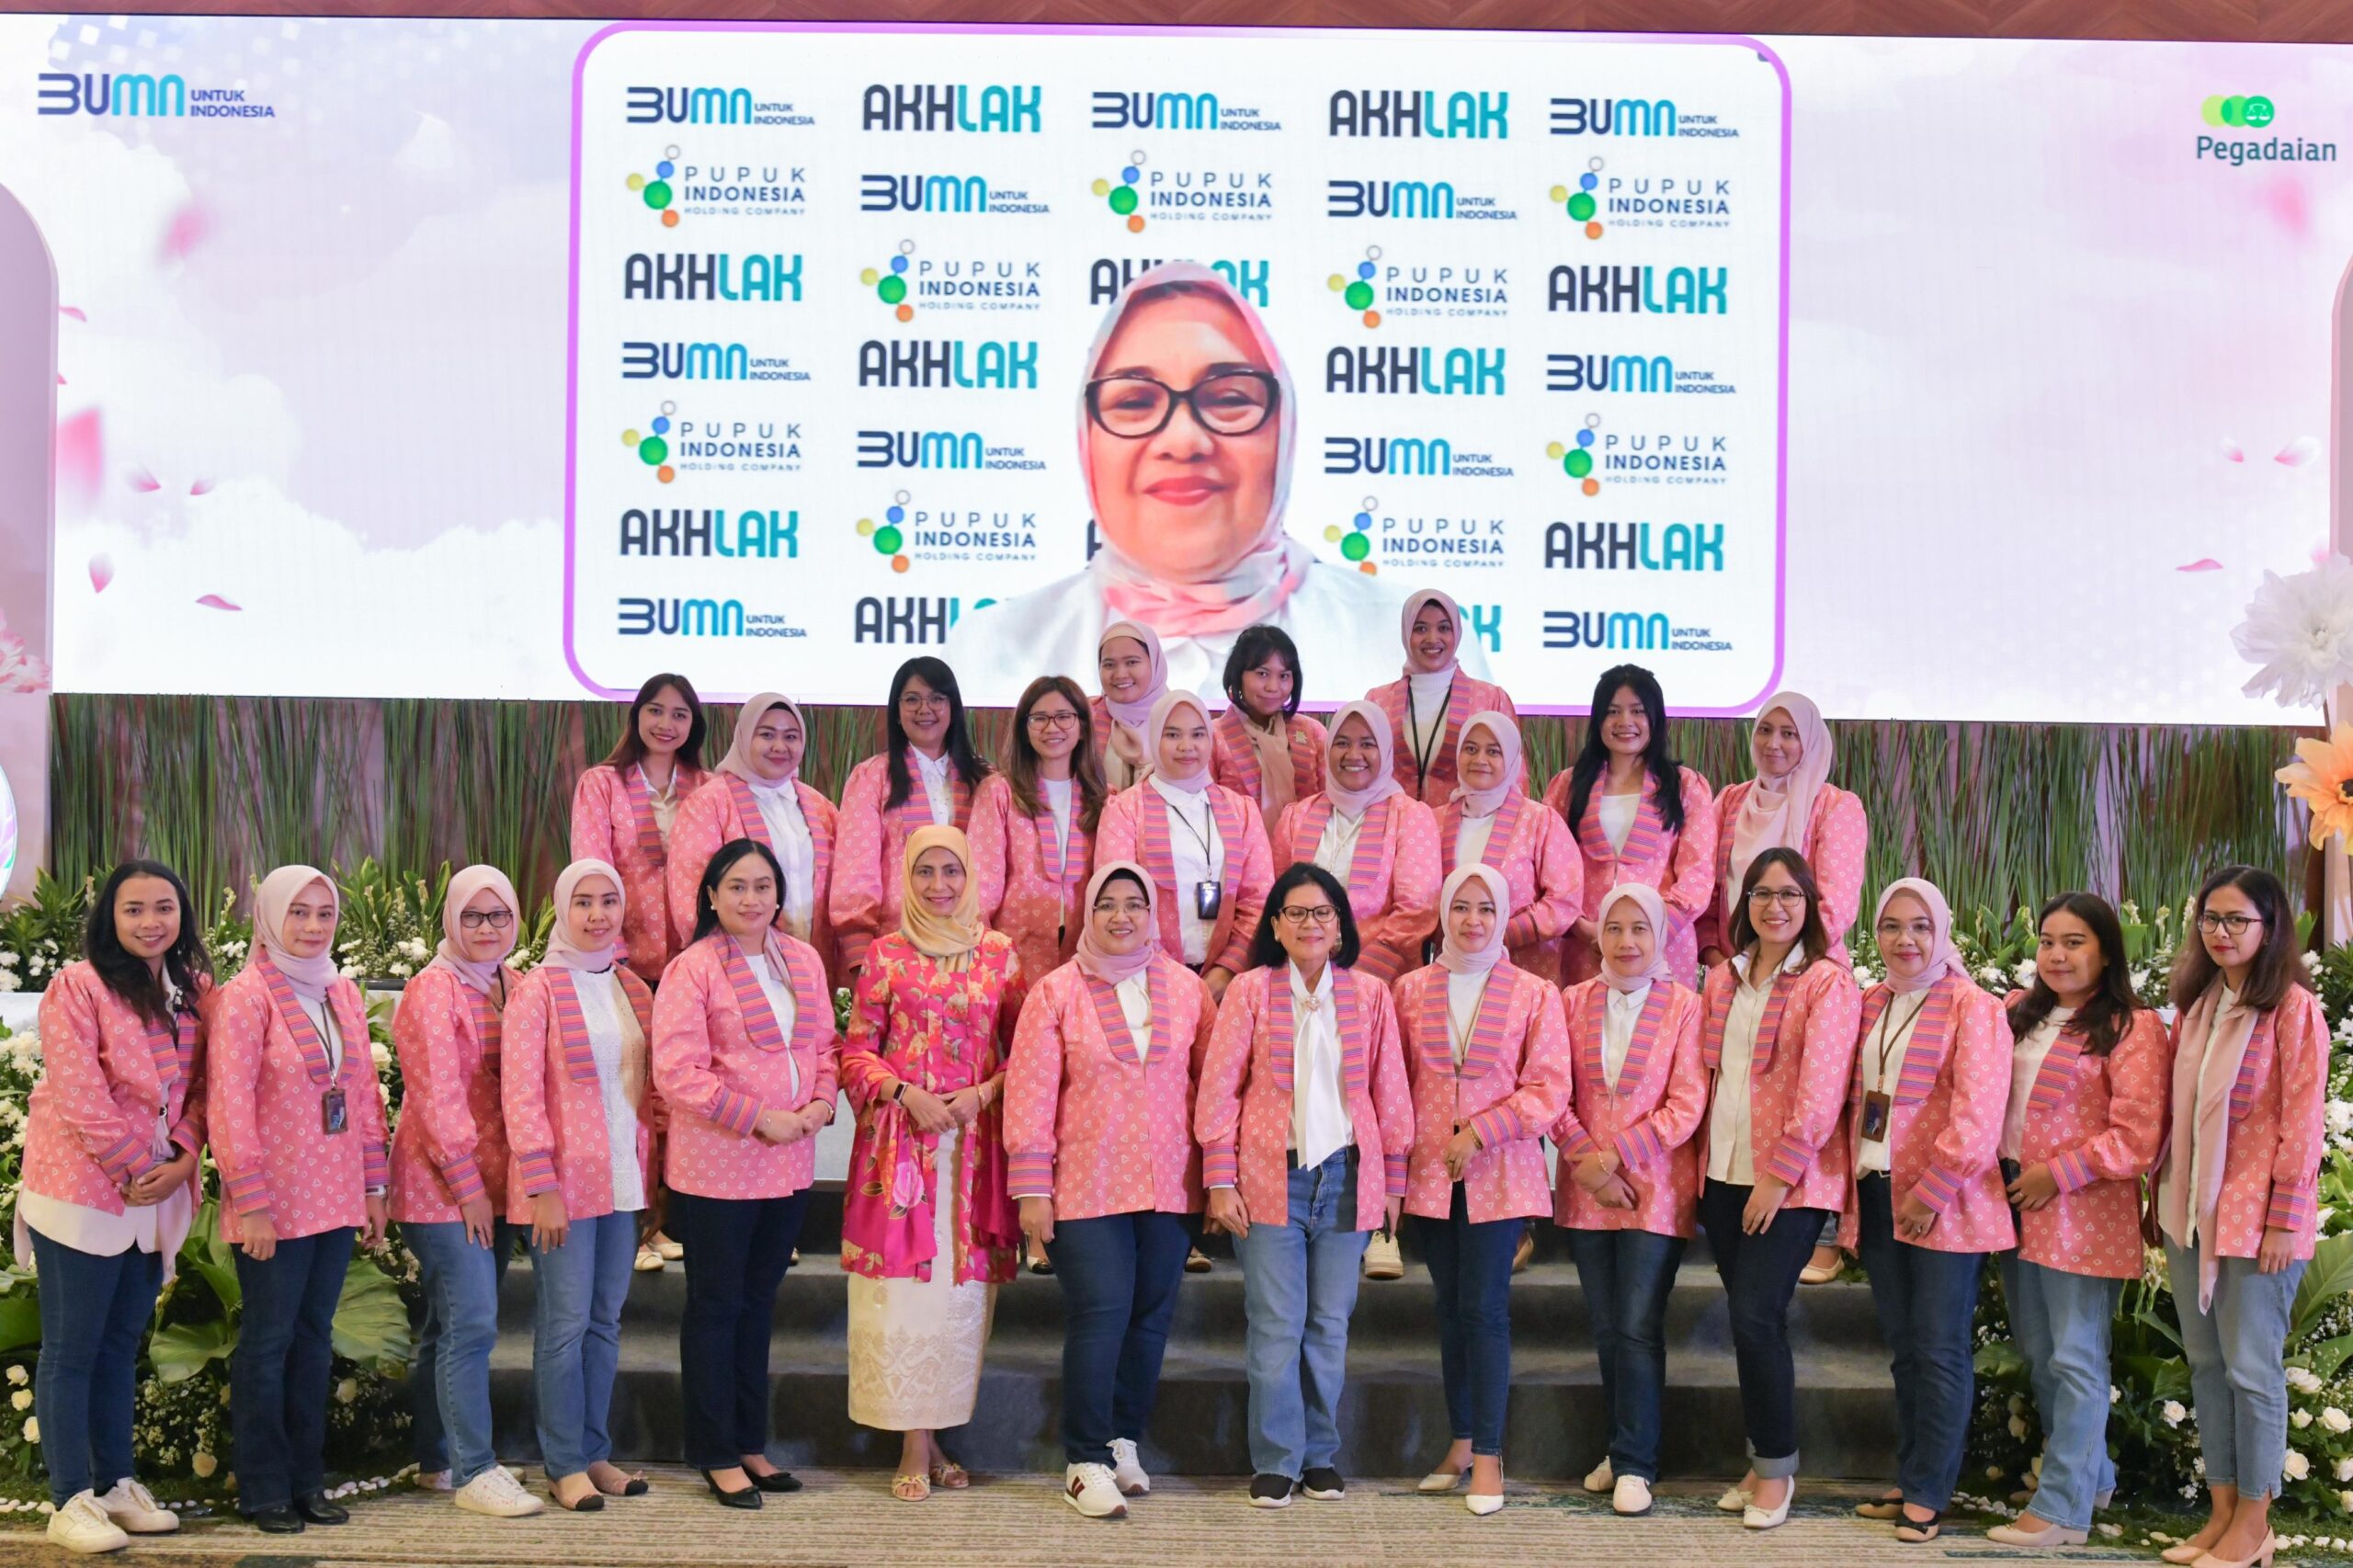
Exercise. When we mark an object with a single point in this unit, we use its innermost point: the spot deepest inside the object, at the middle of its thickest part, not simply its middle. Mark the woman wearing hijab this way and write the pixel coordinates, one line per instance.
(1777, 1041)
(1204, 845)
(581, 1118)
(109, 1188)
(296, 1121)
(624, 808)
(1099, 1155)
(1266, 751)
(1033, 827)
(2236, 1193)
(1428, 706)
(1188, 427)
(1791, 803)
(448, 1188)
(1134, 676)
(924, 777)
(1489, 820)
(1305, 1120)
(1380, 841)
(758, 793)
(745, 1060)
(1932, 1082)
(1629, 1193)
(1487, 1054)
(928, 1229)
(1638, 815)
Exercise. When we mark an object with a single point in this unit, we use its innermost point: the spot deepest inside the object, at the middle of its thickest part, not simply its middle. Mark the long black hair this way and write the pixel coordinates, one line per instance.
(630, 750)
(2104, 1018)
(2277, 970)
(1266, 949)
(971, 766)
(1657, 756)
(126, 974)
(721, 862)
(1250, 651)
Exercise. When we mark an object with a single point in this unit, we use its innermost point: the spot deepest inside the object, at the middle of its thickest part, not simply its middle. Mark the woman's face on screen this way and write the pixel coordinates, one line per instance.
(1185, 504)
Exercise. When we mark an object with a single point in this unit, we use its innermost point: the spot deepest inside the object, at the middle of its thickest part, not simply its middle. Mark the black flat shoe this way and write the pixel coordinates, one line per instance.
(277, 1521)
(749, 1497)
(592, 1504)
(775, 1481)
(635, 1486)
(314, 1508)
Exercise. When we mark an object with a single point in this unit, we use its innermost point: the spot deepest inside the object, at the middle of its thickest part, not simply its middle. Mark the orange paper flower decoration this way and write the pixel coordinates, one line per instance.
(2322, 777)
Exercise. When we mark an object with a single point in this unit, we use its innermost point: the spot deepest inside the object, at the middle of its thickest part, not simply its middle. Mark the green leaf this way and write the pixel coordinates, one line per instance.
(370, 1320)
(19, 1311)
(2327, 1279)
(178, 1351)
(2000, 1358)
(214, 1261)
(2156, 1377)
(2324, 1358)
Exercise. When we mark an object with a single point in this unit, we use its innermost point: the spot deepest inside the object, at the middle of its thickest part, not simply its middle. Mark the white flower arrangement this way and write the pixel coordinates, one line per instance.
(2298, 1467)
(2299, 630)
(2172, 1413)
(2336, 1420)
(2299, 1419)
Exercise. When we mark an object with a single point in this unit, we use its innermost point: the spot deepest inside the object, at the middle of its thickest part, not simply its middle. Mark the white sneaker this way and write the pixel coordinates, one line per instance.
(1090, 1489)
(1600, 1478)
(132, 1507)
(1631, 1496)
(83, 1526)
(1127, 1470)
(497, 1494)
(1382, 1259)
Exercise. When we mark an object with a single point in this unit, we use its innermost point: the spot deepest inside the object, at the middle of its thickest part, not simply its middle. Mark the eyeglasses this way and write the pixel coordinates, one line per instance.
(1040, 719)
(916, 701)
(1776, 895)
(1231, 403)
(1320, 914)
(2235, 924)
(475, 919)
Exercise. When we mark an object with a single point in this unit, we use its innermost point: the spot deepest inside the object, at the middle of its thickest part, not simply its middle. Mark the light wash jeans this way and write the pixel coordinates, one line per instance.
(1299, 1285)
(576, 1338)
(2062, 1323)
(450, 1378)
(2236, 1378)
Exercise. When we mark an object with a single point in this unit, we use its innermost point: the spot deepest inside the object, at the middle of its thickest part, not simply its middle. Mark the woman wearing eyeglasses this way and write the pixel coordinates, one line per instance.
(2235, 1198)
(1033, 827)
(923, 776)
(1188, 429)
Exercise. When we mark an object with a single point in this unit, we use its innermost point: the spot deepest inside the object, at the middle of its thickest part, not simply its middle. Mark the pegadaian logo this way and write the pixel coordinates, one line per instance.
(2252, 111)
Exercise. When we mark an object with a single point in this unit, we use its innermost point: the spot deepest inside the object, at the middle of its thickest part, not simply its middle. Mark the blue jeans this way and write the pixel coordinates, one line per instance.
(1627, 1277)
(1760, 1275)
(738, 1252)
(93, 1311)
(1928, 1312)
(1119, 1275)
(2061, 1321)
(1470, 1268)
(449, 1381)
(1299, 1285)
(283, 1368)
(576, 1338)
(2236, 1379)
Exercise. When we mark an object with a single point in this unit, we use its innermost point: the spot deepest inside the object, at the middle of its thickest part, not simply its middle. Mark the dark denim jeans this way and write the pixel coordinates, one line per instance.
(283, 1368)
(1760, 1275)
(1470, 1270)
(1928, 1312)
(1119, 1275)
(738, 1251)
(1628, 1276)
(93, 1313)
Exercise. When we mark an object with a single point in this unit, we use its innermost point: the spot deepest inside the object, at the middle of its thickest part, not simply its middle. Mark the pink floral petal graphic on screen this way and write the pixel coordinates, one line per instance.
(201, 487)
(141, 480)
(81, 455)
(101, 572)
(2287, 202)
(214, 601)
(74, 310)
(2232, 451)
(2203, 563)
(185, 232)
(2298, 452)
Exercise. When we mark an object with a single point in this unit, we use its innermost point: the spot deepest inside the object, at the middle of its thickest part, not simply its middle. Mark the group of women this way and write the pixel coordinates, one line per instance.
(1169, 971)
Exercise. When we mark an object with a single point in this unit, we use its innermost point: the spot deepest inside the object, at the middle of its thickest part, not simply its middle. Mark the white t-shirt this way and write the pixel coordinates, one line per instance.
(1426, 715)
(1463, 995)
(938, 791)
(1618, 813)
(1337, 848)
(1881, 1059)
(1471, 838)
(2026, 1066)
(605, 1008)
(1057, 793)
(1732, 1155)
(1196, 854)
(777, 989)
(1319, 1109)
(1625, 1010)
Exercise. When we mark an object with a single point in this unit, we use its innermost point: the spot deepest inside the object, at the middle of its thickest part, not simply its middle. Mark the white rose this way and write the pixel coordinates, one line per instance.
(2339, 1114)
(2345, 1501)
(2298, 1466)
(2173, 1412)
(16, 1375)
(2114, 1393)
(1991, 974)
(32, 1429)
(2344, 1469)
(2336, 1420)
(2025, 973)
(2112, 1532)
(2299, 1419)
(204, 1464)
(2017, 1427)
(346, 1390)
(21, 1400)
(2302, 1380)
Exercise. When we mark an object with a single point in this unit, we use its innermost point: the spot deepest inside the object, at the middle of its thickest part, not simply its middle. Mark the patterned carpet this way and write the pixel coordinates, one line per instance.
(849, 1518)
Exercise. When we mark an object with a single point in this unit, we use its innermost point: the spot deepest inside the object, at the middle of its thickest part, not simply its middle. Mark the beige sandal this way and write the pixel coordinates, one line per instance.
(910, 1488)
(950, 1476)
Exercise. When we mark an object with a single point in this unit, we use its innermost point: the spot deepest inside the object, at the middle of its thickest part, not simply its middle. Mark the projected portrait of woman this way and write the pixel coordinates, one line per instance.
(1187, 427)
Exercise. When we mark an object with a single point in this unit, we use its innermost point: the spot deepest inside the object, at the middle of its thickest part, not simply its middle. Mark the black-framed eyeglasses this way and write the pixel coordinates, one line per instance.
(1061, 720)
(1231, 403)
(475, 919)
(2235, 924)
(1317, 914)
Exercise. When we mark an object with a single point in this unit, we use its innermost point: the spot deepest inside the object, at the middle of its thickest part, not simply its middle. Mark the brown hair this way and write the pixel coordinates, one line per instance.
(1815, 939)
(1021, 757)
(2277, 968)
(630, 749)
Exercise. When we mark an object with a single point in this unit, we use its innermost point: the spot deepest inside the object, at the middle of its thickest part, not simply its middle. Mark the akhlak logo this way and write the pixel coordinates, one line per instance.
(656, 191)
(889, 283)
(1580, 202)
(890, 537)
(653, 444)
(1357, 292)
(2252, 112)
(1577, 460)
(1122, 197)
(1356, 540)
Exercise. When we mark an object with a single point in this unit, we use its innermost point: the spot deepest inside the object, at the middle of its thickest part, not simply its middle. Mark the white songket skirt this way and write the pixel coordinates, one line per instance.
(915, 1345)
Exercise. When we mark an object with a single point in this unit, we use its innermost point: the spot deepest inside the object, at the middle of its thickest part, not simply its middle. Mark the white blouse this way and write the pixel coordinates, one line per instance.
(1425, 714)
(664, 801)
(1057, 794)
(796, 850)
(1471, 838)
(1135, 1005)
(777, 989)
(1880, 1061)
(612, 1023)
(1338, 847)
(2026, 1066)
(1617, 1023)
(938, 791)
(1618, 813)
(1319, 1110)
(1192, 826)
(1732, 1155)
(1463, 995)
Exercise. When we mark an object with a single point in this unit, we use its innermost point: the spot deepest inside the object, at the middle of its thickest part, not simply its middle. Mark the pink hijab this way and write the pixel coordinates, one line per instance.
(1191, 783)
(451, 954)
(1414, 603)
(738, 760)
(1487, 802)
(311, 976)
(562, 951)
(1355, 802)
(1133, 714)
(1108, 967)
(1769, 817)
(1943, 956)
(1644, 897)
(1255, 587)
(1455, 959)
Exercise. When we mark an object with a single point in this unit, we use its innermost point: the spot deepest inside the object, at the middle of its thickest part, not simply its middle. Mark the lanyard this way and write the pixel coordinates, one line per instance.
(1879, 1074)
(1423, 750)
(1200, 834)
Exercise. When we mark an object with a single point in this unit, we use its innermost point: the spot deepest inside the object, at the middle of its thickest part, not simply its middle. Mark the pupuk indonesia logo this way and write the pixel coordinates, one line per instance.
(888, 536)
(656, 193)
(651, 443)
(1581, 204)
(1355, 291)
(890, 284)
(1123, 197)
(1356, 540)
(1576, 458)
